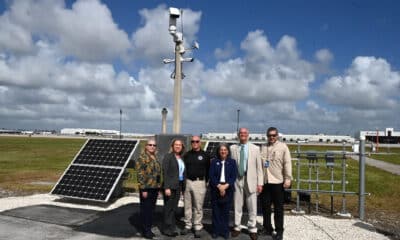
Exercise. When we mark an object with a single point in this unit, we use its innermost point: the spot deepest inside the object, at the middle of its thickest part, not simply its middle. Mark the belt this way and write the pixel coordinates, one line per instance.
(197, 178)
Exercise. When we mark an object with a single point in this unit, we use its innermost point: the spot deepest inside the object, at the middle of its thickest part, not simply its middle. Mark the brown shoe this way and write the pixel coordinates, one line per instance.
(235, 233)
(253, 236)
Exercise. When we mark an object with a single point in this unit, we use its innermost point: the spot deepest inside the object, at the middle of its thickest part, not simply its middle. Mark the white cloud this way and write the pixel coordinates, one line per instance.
(369, 83)
(265, 74)
(86, 31)
(226, 52)
(324, 56)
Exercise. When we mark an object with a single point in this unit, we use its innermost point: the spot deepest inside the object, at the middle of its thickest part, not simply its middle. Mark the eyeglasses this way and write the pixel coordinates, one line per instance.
(271, 135)
(195, 141)
(152, 145)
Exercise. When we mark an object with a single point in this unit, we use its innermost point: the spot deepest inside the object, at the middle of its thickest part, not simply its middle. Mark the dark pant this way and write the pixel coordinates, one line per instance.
(272, 194)
(171, 209)
(220, 212)
(147, 206)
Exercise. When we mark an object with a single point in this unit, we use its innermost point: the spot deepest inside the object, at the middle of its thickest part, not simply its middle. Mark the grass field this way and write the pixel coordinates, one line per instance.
(26, 161)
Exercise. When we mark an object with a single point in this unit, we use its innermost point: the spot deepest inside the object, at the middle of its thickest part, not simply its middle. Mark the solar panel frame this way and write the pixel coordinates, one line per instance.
(120, 168)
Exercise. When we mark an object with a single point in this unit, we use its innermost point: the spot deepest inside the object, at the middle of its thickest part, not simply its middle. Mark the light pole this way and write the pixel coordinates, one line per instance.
(164, 113)
(120, 123)
(174, 14)
(237, 126)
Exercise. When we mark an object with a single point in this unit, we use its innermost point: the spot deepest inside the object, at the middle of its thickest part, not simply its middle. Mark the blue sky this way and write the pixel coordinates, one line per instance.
(303, 66)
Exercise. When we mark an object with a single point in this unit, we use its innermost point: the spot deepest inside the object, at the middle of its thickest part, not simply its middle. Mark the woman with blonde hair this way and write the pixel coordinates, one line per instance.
(149, 178)
(174, 175)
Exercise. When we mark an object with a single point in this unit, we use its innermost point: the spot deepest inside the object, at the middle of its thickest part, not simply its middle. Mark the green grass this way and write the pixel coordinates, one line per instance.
(390, 157)
(24, 160)
(27, 159)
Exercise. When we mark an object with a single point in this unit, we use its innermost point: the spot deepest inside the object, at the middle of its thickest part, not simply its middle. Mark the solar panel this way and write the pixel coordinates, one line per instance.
(96, 169)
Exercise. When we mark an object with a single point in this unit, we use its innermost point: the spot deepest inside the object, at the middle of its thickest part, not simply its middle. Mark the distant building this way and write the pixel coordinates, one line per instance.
(88, 131)
(385, 136)
(284, 137)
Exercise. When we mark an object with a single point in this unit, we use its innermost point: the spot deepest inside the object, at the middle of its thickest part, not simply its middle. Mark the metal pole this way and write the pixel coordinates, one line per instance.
(361, 196)
(237, 123)
(164, 113)
(177, 88)
(120, 123)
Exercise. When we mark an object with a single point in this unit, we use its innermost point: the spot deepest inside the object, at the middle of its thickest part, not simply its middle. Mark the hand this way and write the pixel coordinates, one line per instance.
(144, 194)
(286, 183)
(167, 192)
(222, 193)
(259, 188)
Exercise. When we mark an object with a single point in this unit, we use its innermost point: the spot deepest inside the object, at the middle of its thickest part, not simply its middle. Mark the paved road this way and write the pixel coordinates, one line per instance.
(389, 167)
(44, 216)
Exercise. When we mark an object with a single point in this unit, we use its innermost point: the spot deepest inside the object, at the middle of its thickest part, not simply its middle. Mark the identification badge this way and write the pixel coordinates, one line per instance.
(266, 164)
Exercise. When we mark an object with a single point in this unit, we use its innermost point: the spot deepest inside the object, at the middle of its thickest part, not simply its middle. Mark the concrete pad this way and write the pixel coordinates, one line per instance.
(120, 220)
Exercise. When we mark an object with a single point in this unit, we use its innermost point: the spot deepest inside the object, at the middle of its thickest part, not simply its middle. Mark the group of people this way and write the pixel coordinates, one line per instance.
(237, 175)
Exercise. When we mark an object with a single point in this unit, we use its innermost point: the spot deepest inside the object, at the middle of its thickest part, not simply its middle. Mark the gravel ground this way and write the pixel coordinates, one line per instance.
(296, 227)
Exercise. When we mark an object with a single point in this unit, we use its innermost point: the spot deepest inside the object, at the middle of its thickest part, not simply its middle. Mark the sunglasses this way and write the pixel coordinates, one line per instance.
(195, 141)
(271, 135)
(152, 145)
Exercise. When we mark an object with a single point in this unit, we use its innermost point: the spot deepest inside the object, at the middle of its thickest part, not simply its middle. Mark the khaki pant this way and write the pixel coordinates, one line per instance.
(242, 192)
(194, 198)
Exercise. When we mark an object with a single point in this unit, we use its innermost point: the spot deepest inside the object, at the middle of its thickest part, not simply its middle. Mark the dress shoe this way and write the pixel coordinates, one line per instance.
(197, 234)
(278, 236)
(170, 234)
(265, 232)
(185, 231)
(253, 236)
(235, 233)
(148, 235)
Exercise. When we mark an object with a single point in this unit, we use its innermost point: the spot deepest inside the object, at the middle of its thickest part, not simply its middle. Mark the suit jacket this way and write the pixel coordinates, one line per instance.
(170, 171)
(255, 174)
(230, 178)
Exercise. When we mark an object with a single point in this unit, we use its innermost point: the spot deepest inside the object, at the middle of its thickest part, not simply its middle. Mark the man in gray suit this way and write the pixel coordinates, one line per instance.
(249, 182)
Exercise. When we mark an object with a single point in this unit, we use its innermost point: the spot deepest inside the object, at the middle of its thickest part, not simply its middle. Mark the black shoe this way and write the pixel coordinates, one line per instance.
(197, 234)
(148, 235)
(278, 236)
(170, 234)
(185, 231)
(265, 232)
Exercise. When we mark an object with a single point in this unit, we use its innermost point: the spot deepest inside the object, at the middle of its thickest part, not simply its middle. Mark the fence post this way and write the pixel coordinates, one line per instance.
(361, 196)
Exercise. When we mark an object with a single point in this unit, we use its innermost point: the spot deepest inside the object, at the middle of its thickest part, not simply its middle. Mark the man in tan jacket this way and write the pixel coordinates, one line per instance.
(249, 181)
(277, 176)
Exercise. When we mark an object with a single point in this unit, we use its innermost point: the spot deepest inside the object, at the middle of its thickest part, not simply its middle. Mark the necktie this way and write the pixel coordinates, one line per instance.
(242, 160)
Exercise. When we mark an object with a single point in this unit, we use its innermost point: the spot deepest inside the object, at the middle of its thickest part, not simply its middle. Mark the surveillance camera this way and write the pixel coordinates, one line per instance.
(195, 45)
(187, 59)
(174, 12)
(172, 29)
(168, 60)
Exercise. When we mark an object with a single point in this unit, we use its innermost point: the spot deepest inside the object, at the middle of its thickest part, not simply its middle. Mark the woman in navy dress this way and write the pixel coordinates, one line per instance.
(223, 172)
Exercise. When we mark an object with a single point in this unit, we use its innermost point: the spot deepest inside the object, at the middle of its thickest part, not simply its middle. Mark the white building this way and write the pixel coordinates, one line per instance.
(381, 136)
(88, 131)
(283, 137)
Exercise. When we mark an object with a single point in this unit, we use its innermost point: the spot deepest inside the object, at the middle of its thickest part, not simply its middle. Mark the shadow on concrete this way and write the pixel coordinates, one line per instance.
(71, 217)
(122, 222)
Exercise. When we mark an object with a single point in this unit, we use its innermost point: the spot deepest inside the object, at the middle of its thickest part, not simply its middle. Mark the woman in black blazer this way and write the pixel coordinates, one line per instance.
(223, 172)
(173, 176)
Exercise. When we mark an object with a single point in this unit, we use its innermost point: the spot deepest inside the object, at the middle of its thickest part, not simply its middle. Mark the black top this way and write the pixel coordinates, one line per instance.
(197, 164)
(170, 170)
